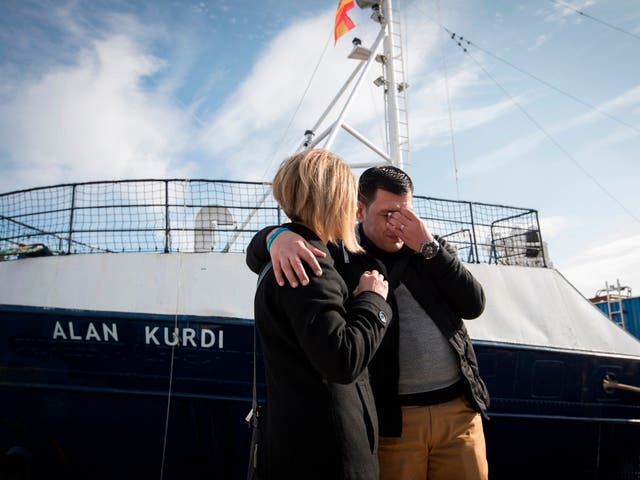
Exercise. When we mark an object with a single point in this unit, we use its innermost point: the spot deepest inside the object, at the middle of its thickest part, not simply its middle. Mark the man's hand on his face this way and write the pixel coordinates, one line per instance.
(288, 250)
(409, 227)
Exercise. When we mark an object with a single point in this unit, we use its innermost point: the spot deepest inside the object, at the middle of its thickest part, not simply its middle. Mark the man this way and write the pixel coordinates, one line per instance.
(425, 378)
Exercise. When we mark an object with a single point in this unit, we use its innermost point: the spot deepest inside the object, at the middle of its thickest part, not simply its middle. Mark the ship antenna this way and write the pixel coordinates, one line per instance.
(394, 90)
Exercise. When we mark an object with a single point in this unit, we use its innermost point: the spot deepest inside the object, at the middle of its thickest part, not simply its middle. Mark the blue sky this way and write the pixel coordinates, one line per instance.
(95, 90)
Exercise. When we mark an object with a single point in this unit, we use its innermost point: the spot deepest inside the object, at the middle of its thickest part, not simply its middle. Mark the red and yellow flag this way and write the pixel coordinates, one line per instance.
(343, 22)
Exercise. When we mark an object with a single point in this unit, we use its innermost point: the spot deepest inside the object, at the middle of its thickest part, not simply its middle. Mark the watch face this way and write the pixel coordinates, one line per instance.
(429, 249)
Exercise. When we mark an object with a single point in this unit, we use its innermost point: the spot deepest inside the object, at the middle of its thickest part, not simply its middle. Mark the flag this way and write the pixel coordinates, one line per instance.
(343, 22)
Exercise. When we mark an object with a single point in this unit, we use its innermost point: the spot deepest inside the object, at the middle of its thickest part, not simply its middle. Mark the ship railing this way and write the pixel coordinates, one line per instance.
(195, 215)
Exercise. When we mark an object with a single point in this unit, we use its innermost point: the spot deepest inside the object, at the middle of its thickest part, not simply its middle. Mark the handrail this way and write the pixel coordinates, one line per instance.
(186, 215)
(609, 383)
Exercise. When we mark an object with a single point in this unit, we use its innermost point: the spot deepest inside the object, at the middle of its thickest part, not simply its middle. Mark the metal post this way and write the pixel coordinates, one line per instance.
(381, 35)
(473, 232)
(544, 254)
(307, 141)
(73, 204)
(392, 88)
(167, 231)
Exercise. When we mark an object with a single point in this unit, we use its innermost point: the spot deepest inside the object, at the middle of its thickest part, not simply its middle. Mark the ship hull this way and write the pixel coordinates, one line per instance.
(131, 406)
(141, 366)
(550, 416)
(107, 395)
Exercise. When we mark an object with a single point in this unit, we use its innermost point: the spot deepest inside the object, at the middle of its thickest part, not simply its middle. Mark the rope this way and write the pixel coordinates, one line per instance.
(462, 40)
(579, 12)
(286, 131)
(535, 77)
(451, 131)
(52, 234)
(546, 134)
(173, 347)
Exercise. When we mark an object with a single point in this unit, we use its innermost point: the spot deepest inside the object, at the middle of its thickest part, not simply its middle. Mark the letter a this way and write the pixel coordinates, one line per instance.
(58, 331)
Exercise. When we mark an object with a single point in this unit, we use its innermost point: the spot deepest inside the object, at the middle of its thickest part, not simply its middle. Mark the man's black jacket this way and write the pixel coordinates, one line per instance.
(444, 288)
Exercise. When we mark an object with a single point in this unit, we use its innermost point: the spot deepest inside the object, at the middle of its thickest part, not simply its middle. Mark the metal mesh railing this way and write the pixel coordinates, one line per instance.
(485, 233)
(222, 216)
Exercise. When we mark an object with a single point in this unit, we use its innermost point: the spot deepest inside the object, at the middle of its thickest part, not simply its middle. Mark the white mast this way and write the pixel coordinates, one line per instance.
(392, 80)
(391, 97)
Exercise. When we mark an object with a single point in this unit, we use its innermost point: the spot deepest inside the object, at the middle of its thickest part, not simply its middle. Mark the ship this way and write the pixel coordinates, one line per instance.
(127, 336)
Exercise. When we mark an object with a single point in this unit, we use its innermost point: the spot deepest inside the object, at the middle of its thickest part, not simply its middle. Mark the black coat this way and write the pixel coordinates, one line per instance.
(442, 286)
(448, 292)
(320, 418)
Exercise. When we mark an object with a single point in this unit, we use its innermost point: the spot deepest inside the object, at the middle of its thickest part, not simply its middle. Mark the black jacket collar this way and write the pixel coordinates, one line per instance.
(308, 234)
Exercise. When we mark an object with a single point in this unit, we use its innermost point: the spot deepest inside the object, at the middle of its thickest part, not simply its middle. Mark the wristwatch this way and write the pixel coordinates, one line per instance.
(429, 249)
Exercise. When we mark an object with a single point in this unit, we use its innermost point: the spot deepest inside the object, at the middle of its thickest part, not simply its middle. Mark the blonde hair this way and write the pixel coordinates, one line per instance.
(316, 188)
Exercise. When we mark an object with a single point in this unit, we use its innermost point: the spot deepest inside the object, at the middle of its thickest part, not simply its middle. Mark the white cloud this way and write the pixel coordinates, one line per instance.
(563, 11)
(605, 142)
(511, 152)
(431, 122)
(607, 261)
(553, 226)
(246, 130)
(92, 120)
(519, 147)
(256, 115)
(629, 98)
(540, 40)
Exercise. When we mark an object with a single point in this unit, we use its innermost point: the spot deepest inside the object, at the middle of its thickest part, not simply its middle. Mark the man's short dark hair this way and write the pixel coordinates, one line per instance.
(389, 178)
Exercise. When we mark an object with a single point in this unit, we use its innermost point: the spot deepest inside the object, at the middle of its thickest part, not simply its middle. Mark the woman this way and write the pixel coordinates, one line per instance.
(320, 420)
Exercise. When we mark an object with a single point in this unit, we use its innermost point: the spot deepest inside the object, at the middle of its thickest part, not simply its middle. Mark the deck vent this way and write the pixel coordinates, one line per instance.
(207, 220)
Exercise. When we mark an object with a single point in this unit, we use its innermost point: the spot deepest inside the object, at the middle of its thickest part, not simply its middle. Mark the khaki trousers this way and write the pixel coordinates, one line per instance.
(439, 442)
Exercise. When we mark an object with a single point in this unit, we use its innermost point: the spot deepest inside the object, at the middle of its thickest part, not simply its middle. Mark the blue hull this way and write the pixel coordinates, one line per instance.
(551, 418)
(98, 408)
(91, 435)
(91, 402)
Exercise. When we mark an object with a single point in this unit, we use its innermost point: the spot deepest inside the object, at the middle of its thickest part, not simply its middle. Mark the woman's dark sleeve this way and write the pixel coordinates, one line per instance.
(257, 255)
(339, 338)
